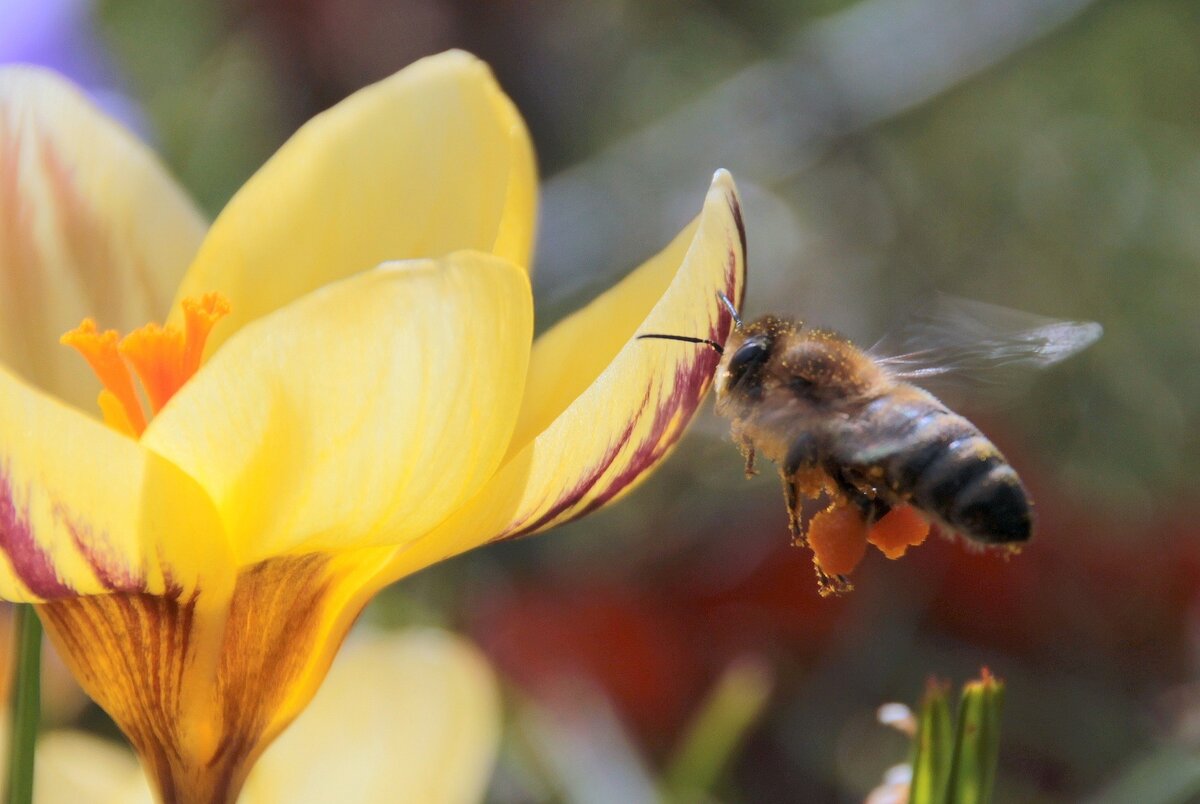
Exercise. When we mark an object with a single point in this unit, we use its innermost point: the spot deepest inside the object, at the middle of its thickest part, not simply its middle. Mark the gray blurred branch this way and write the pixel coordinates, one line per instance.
(841, 75)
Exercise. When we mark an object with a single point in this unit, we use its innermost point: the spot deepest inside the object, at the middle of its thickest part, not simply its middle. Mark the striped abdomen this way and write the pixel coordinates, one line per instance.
(910, 447)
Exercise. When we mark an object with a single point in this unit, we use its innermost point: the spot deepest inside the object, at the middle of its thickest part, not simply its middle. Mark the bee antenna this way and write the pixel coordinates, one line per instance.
(686, 339)
(737, 319)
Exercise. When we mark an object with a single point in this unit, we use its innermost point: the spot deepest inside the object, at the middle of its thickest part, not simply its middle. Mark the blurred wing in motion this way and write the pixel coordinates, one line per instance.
(974, 343)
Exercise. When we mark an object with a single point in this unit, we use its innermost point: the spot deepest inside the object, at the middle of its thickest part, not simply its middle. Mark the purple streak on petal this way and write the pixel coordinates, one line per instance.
(29, 561)
(691, 382)
(100, 555)
(570, 496)
(731, 280)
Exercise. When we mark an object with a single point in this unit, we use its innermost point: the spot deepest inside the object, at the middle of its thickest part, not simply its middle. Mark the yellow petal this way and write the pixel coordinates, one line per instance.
(401, 717)
(84, 510)
(601, 407)
(90, 225)
(411, 716)
(361, 414)
(74, 766)
(434, 159)
(200, 687)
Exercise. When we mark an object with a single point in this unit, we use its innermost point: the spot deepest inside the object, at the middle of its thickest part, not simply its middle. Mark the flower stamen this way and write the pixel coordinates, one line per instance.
(163, 357)
(113, 411)
(99, 349)
(200, 315)
(156, 354)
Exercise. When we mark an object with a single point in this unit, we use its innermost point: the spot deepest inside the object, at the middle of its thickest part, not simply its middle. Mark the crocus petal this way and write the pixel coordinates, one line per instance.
(361, 414)
(410, 716)
(73, 766)
(355, 416)
(124, 555)
(201, 684)
(432, 160)
(84, 510)
(603, 408)
(90, 225)
(401, 717)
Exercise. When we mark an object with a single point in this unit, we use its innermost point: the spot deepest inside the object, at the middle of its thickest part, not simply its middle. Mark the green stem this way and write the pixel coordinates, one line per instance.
(731, 711)
(26, 703)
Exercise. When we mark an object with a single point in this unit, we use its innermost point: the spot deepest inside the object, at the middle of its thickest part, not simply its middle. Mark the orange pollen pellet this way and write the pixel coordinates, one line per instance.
(838, 538)
(899, 529)
(162, 357)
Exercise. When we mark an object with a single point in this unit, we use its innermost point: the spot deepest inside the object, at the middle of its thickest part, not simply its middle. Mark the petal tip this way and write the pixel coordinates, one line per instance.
(724, 185)
(722, 178)
(456, 55)
(724, 190)
(448, 68)
(455, 60)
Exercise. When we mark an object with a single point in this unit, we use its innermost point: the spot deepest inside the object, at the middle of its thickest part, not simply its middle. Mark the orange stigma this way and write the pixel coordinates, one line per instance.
(162, 357)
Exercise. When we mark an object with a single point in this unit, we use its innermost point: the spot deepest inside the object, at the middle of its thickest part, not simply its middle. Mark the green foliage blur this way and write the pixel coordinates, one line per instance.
(1038, 154)
(956, 764)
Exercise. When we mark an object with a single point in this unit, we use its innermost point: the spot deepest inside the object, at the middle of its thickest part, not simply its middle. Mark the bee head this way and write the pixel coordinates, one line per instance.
(812, 366)
(748, 353)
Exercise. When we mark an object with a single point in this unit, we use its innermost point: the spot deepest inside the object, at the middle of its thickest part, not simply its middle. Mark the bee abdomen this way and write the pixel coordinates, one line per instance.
(962, 478)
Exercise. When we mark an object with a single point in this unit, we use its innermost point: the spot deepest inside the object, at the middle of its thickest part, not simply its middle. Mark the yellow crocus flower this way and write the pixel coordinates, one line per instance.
(411, 716)
(371, 402)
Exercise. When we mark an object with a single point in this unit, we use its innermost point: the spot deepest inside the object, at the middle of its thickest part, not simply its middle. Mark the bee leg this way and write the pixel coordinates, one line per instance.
(832, 584)
(801, 454)
(745, 446)
(793, 509)
(748, 451)
(872, 506)
(873, 509)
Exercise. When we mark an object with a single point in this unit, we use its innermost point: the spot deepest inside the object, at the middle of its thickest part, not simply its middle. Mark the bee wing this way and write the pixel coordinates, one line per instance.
(973, 343)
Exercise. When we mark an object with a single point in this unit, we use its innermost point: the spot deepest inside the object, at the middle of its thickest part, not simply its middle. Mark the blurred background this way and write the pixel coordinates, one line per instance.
(1039, 154)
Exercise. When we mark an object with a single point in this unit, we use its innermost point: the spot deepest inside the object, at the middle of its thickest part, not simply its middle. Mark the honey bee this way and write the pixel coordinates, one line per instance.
(848, 424)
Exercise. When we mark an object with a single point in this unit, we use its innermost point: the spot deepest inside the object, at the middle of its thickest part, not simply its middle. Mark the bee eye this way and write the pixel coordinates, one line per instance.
(750, 354)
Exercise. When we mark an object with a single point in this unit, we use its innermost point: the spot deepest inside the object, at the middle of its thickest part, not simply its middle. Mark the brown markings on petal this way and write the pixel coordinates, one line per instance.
(691, 383)
(572, 495)
(129, 652)
(84, 253)
(687, 391)
(720, 331)
(136, 656)
(275, 624)
(735, 206)
(30, 563)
